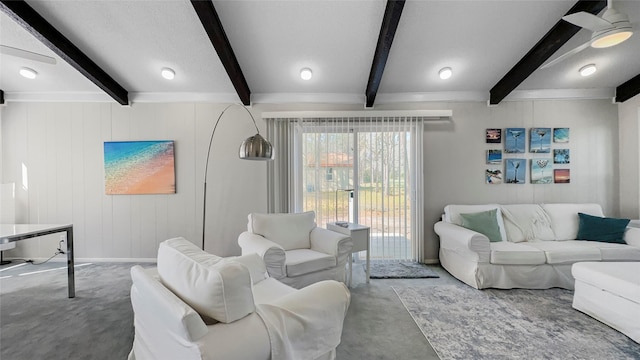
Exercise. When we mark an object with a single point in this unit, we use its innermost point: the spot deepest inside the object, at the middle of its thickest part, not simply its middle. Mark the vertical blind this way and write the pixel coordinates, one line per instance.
(366, 170)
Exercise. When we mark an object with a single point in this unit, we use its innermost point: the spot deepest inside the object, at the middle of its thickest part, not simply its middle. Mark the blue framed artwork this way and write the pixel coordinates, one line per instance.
(514, 140)
(139, 167)
(540, 140)
(541, 172)
(561, 135)
(515, 171)
(494, 157)
(561, 156)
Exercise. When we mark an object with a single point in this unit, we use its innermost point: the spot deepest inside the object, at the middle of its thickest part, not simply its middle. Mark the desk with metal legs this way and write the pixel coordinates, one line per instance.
(16, 232)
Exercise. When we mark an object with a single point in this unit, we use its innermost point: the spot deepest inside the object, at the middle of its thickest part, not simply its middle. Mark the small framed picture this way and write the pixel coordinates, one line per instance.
(515, 171)
(514, 140)
(494, 157)
(540, 140)
(561, 176)
(561, 135)
(493, 176)
(541, 171)
(561, 156)
(494, 136)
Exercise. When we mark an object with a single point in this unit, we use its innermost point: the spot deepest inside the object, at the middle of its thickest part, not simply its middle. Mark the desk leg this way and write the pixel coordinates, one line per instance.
(70, 264)
(368, 267)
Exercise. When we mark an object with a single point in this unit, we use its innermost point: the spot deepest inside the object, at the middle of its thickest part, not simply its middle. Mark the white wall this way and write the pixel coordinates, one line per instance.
(630, 158)
(61, 145)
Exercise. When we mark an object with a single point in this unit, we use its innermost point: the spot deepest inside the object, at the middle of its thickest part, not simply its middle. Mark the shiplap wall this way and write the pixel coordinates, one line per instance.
(61, 145)
(630, 158)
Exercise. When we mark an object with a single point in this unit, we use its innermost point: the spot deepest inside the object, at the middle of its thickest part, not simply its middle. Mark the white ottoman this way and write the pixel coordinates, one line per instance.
(610, 293)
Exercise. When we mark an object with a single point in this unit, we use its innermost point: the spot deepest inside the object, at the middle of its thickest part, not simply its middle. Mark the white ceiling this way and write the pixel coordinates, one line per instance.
(481, 40)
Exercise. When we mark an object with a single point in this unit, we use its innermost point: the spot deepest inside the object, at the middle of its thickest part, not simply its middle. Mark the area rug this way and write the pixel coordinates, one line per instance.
(400, 270)
(464, 323)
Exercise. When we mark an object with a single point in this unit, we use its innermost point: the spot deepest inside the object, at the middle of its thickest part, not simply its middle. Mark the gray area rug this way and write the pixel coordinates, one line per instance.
(400, 270)
(39, 321)
(464, 323)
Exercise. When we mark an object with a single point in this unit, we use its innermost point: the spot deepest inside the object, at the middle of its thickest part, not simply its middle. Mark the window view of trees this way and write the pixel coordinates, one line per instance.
(375, 166)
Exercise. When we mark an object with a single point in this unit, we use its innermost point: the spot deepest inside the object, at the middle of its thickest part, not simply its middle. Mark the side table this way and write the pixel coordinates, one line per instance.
(360, 236)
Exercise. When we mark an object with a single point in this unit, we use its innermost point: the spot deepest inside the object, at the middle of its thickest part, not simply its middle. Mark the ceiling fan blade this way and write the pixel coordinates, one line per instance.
(587, 21)
(566, 55)
(8, 50)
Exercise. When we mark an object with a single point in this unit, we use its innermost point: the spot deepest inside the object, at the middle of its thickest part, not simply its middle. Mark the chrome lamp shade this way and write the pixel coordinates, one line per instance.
(256, 148)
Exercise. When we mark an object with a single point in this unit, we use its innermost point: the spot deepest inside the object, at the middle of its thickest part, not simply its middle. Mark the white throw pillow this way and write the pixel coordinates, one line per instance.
(564, 218)
(216, 289)
(452, 214)
(291, 231)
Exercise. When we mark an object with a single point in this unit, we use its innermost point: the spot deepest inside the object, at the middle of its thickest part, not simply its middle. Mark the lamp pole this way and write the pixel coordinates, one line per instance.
(253, 148)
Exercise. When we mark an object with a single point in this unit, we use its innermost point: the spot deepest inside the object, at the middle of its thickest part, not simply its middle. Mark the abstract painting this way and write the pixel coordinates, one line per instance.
(494, 136)
(493, 176)
(139, 167)
(540, 140)
(494, 157)
(561, 176)
(561, 156)
(514, 140)
(561, 135)
(541, 171)
(515, 171)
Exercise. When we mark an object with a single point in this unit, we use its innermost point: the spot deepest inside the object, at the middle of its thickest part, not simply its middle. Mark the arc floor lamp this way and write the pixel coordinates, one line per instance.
(252, 148)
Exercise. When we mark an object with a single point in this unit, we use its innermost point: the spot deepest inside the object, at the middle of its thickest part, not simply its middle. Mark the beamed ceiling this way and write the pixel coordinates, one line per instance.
(360, 51)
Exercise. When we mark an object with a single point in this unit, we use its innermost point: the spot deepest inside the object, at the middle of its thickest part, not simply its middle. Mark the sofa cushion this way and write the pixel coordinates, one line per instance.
(304, 261)
(216, 289)
(603, 229)
(619, 278)
(526, 222)
(452, 214)
(566, 252)
(484, 222)
(291, 231)
(564, 218)
(613, 251)
(508, 253)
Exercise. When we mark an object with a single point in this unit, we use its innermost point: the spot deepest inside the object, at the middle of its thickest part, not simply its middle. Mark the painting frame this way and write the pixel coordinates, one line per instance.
(511, 143)
(515, 171)
(538, 167)
(139, 167)
(540, 140)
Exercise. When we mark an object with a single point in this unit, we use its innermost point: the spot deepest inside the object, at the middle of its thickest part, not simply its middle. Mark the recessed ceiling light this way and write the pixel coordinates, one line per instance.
(588, 70)
(445, 73)
(28, 73)
(168, 73)
(306, 74)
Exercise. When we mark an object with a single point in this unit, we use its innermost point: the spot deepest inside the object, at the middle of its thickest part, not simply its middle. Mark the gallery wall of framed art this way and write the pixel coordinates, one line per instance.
(539, 155)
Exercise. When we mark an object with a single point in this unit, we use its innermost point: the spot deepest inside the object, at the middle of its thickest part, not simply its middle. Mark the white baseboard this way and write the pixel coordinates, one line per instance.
(63, 258)
(432, 261)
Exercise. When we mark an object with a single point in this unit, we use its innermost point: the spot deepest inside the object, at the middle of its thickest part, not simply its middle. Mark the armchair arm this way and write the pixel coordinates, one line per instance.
(463, 241)
(632, 236)
(331, 242)
(271, 253)
(307, 323)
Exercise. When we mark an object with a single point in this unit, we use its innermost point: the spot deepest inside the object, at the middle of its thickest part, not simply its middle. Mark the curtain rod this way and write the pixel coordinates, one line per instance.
(418, 114)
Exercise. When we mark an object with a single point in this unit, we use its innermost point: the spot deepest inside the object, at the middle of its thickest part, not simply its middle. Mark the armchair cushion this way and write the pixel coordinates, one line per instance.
(291, 231)
(216, 289)
(304, 261)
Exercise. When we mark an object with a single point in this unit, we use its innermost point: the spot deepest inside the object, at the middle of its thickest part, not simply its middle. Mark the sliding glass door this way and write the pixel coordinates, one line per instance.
(363, 171)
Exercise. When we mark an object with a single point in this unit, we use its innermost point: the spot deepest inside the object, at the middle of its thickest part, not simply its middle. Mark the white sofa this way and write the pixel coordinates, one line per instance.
(196, 305)
(536, 249)
(295, 250)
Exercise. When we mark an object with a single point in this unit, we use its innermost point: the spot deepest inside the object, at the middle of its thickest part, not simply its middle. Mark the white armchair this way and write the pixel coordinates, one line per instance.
(294, 249)
(196, 305)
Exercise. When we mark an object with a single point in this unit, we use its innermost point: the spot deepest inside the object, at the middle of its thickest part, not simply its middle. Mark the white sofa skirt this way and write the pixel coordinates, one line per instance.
(486, 275)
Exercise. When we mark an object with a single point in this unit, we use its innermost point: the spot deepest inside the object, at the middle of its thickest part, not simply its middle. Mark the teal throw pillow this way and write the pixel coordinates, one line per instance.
(485, 222)
(602, 229)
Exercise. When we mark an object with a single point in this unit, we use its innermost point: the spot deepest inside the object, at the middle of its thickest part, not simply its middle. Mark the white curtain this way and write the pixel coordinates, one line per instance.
(318, 160)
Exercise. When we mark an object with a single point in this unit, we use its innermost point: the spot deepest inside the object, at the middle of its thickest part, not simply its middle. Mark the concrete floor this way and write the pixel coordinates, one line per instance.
(378, 326)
